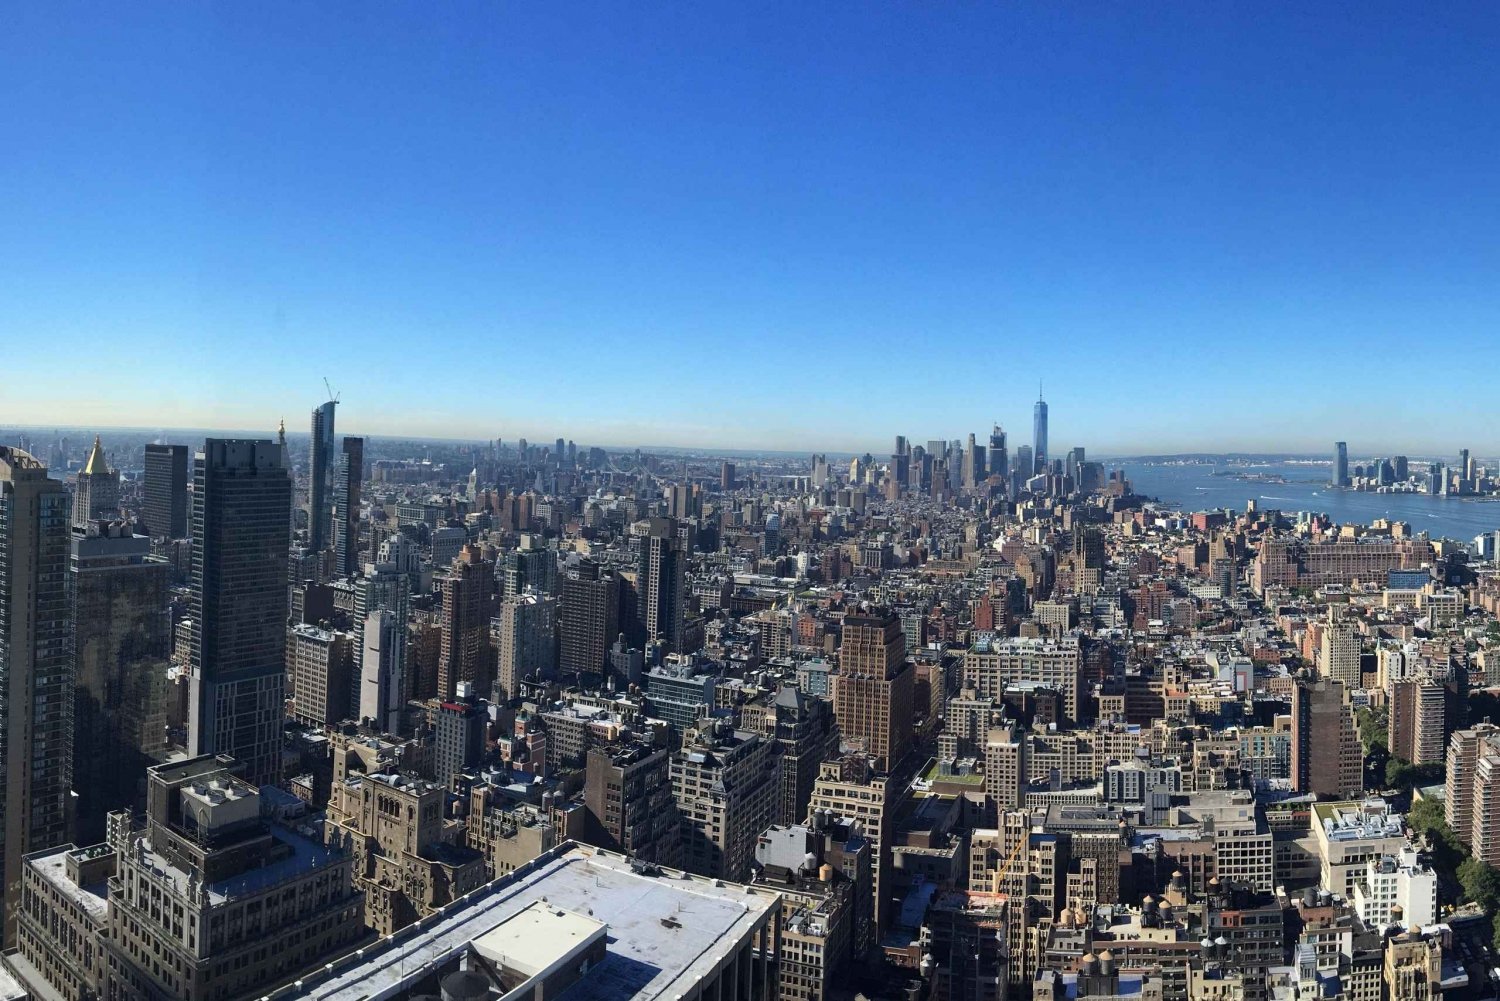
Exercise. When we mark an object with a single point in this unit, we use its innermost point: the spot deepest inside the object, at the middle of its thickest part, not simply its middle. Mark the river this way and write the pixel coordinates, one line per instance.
(1195, 488)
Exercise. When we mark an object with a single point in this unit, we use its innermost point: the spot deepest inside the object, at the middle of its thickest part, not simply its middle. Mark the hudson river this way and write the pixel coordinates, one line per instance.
(1196, 488)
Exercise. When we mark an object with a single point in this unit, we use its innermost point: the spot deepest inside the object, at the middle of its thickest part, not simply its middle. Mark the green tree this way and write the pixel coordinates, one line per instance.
(1480, 883)
(1402, 774)
(1373, 724)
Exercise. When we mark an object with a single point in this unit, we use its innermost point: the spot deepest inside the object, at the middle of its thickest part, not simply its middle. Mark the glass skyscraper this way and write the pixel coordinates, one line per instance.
(242, 497)
(320, 477)
(1040, 455)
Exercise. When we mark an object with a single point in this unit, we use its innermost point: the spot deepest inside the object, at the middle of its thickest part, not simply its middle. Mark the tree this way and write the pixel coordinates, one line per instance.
(1480, 883)
(1402, 774)
(1372, 724)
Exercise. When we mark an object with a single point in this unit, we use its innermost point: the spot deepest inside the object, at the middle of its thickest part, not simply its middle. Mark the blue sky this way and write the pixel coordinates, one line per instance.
(799, 225)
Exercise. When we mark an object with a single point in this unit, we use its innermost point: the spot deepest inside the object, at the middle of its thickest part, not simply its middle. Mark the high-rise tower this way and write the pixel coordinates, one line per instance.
(165, 509)
(121, 639)
(346, 483)
(36, 669)
(320, 476)
(98, 494)
(1040, 455)
(999, 458)
(1340, 464)
(242, 495)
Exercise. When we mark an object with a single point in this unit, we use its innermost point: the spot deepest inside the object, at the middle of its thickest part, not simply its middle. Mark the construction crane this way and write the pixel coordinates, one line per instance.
(998, 883)
(332, 396)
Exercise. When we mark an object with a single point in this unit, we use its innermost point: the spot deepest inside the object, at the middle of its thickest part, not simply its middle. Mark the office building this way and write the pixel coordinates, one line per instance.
(1338, 657)
(460, 731)
(318, 663)
(381, 688)
(589, 620)
(465, 591)
(242, 495)
(347, 478)
(724, 782)
(727, 482)
(166, 502)
(874, 690)
(1340, 476)
(848, 790)
(608, 929)
(525, 642)
(320, 477)
(385, 587)
(213, 900)
(662, 611)
(805, 734)
(36, 670)
(999, 457)
(64, 917)
(627, 793)
(1326, 757)
(822, 871)
(97, 496)
(1040, 455)
(391, 827)
(122, 644)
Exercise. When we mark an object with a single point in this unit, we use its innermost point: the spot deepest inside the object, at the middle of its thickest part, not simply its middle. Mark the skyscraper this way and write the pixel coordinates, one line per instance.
(663, 585)
(98, 494)
(36, 669)
(589, 618)
(465, 590)
(346, 483)
(242, 496)
(166, 504)
(1340, 464)
(122, 639)
(320, 476)
(874, 690)
(999, 458)
(1040, 454)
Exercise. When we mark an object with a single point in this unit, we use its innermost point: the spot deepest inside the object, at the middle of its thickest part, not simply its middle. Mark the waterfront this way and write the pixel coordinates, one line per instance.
(1194, 487)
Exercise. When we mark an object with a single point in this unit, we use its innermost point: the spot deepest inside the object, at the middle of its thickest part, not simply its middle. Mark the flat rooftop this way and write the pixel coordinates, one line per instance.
(90, 899)
(663, 930)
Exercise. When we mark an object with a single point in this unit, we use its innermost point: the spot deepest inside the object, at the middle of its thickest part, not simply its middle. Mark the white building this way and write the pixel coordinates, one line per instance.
(1400, 880)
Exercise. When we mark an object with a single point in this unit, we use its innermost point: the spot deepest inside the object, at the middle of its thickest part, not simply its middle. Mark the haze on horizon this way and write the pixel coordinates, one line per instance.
(1224, 228)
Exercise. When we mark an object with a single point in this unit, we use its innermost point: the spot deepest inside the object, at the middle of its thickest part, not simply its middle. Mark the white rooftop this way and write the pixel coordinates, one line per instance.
(665, 931)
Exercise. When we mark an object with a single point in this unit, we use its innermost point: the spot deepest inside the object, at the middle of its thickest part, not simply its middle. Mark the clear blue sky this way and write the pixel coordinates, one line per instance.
(1205, 225)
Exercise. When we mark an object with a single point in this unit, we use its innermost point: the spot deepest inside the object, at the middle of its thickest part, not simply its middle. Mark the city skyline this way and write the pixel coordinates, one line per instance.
(1175, 240)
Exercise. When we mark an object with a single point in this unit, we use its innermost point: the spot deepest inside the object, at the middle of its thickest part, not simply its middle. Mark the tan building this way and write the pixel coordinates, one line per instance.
(318, 663)
(874, 689)
(627, 792)
(507, 835)
(211, 900)
(990, 667)
(725, 783)
(407, 860)
(1413, 968)
(63, 921)
(851, 789)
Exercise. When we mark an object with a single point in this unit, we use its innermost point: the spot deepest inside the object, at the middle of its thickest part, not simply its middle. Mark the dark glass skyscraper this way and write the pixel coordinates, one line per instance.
(1340, 464)
(999, 458)
(320, 477)
(166, 511)
(122, 634)
(1040, 455)
(36, 668)
(242, 494)
(346, 483)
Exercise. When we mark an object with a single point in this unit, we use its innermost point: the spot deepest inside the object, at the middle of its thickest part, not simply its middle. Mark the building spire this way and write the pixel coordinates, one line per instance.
(96, 466)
